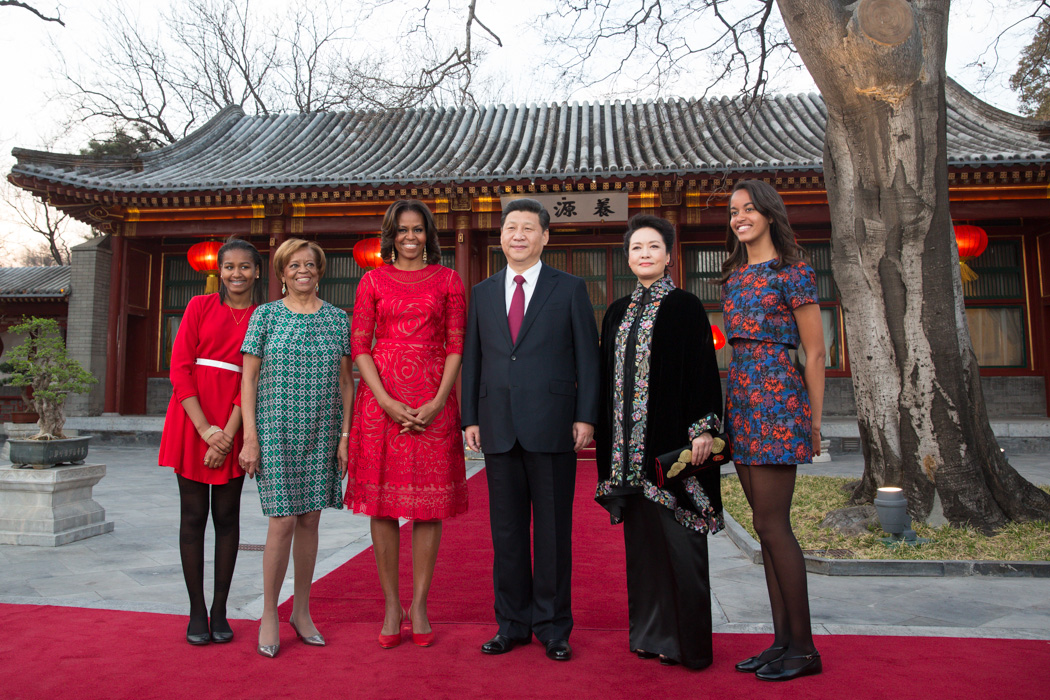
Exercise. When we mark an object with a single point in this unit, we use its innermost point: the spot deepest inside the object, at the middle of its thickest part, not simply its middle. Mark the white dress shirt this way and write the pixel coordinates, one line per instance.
(531, 276)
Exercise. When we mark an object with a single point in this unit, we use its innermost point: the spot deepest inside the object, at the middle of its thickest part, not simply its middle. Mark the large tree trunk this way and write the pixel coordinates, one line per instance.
(880, 68)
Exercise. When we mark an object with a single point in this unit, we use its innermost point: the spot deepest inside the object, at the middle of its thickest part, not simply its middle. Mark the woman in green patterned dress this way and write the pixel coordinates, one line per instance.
(296, 392)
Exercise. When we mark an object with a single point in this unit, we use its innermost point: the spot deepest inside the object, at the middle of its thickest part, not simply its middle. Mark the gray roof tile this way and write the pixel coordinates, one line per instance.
(514, 142)
(34, 282)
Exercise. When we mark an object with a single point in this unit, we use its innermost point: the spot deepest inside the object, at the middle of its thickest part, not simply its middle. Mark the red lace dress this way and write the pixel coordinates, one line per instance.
(211, 330)
(417, 319)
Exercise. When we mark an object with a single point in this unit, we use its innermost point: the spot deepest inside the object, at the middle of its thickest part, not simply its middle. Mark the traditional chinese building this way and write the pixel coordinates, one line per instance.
(330, 176)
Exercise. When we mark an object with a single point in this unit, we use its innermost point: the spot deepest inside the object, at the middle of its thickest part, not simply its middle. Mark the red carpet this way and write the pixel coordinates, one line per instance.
(48, 652)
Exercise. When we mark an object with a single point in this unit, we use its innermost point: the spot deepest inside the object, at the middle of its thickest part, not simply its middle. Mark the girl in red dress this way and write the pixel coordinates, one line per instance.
(202, 431)
(406, 446)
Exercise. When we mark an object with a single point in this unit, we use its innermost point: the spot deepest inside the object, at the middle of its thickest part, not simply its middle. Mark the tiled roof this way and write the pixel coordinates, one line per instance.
(511, 142)
(41, 283)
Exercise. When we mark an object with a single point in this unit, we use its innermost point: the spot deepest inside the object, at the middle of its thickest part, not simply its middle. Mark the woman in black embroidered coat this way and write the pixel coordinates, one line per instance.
(658, 363)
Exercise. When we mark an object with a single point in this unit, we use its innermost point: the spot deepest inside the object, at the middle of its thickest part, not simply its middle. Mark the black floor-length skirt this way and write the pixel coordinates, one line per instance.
(668, 589)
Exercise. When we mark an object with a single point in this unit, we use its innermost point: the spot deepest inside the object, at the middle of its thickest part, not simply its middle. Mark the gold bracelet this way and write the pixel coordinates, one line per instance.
(211, 431)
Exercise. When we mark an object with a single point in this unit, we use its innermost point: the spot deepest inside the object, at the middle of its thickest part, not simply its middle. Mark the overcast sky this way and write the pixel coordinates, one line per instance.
(28, 120)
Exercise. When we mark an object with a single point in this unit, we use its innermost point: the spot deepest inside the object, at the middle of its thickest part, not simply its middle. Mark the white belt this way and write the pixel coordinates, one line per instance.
(221, 365)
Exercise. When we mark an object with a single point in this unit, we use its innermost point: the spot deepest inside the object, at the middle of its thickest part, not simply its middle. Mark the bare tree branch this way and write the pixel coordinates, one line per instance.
(39, 218)
(653, 44)
(25, 6)
(210, 54)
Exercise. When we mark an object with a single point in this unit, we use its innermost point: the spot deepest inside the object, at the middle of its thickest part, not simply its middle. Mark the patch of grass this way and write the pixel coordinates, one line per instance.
(816, 496)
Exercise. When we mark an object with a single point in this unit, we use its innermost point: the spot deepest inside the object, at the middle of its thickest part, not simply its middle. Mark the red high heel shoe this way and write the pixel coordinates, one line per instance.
(389, 641)
(424, 639)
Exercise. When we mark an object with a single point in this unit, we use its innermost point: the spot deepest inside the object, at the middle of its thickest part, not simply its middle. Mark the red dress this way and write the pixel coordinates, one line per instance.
(417, 319)
(213, 331)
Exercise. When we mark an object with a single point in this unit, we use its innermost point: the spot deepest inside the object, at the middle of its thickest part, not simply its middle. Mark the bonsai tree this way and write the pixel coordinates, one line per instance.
(41, 362)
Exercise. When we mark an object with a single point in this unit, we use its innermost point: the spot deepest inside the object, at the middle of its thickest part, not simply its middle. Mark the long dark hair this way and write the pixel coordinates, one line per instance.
(770, 205)
(232, 243)
(393, 213)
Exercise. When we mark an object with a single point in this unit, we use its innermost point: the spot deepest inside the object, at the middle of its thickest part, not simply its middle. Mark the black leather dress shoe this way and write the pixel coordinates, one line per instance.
(775, 670)
(559, 650)
(501, 644)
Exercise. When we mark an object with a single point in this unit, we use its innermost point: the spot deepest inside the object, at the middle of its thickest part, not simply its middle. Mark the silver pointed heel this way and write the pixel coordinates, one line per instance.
(314, 640)
(268, 650)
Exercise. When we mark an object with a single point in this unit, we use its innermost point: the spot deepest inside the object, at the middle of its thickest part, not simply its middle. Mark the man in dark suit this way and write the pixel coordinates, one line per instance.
(530, 399)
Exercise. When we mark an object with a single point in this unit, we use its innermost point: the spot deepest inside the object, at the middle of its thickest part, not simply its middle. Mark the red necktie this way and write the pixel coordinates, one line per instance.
(516, 314)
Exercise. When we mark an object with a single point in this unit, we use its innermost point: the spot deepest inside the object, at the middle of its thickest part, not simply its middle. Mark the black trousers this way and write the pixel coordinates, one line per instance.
(532, 588)
(668, 589)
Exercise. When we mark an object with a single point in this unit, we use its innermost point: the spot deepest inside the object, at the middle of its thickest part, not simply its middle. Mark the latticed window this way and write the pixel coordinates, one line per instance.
(339, 284)
(995, 305)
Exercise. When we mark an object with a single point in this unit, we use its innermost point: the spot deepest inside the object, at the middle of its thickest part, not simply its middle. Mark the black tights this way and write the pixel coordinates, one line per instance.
(225, 506)
(768, 489)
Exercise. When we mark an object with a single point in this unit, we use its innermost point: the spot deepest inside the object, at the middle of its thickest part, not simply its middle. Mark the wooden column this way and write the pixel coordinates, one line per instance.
(277, 237)
(463, 240)
(676, 251)
(115, 328)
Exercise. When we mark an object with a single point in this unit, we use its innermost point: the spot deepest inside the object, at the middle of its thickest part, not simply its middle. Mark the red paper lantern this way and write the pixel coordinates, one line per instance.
(366, 253)
(204, 257)
(719, 336)
(972, 240)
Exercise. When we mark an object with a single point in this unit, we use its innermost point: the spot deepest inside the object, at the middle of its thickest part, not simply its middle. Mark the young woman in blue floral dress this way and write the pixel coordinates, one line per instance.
(769, 301)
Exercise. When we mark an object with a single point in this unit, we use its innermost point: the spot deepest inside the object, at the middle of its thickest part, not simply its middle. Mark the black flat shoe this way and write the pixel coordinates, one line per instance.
(775, 671)
(501, 644)
(667, 661)
(753, 663)
(222, 637)
(559, 650)
(198, 640)
(645, 654)
(220, 631)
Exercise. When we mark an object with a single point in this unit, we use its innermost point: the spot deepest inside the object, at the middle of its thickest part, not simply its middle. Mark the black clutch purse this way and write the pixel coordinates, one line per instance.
(675, 465)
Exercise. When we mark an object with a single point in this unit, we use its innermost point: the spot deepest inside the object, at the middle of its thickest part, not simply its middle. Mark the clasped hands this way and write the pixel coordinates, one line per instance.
(219, 445)
(409, 418)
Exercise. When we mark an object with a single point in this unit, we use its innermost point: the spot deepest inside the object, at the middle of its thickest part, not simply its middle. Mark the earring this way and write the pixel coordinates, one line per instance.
(284, 288)
(393, 255)
(317, 288)
(424, 255)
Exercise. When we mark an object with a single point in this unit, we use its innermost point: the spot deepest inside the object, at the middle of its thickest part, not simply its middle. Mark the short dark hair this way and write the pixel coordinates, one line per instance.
(234, 243)
(664, 227)
(530, 205)
(393, 213)
(290, 247)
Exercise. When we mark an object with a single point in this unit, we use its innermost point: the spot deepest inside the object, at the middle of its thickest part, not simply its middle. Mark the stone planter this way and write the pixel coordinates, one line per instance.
(41, 454)
(51, 507)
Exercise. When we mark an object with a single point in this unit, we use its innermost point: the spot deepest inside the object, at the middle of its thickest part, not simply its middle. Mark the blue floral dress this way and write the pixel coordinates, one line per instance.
(768, 417)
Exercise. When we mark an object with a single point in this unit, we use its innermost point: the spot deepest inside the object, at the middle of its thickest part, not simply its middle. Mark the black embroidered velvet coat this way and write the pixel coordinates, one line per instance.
(683, 393)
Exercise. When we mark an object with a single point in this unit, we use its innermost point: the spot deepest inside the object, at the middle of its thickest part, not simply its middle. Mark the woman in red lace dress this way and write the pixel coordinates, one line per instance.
(406, 447)
(202, 431)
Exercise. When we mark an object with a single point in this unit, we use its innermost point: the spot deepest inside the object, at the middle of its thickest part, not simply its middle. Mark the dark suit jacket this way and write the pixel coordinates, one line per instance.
(533, 390)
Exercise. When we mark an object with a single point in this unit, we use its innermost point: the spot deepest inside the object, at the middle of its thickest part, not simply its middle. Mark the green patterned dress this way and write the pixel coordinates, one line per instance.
(298, 408)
